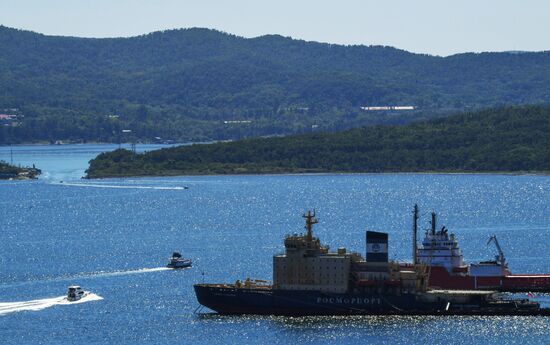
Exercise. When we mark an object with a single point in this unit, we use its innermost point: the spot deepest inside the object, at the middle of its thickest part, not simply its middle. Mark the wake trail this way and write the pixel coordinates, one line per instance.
(90, 275)
(121, 273)
(40, 304)
(97, 185)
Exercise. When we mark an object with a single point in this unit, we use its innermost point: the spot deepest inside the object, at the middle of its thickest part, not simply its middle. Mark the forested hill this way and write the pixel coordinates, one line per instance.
(198, 84)
(503, 139)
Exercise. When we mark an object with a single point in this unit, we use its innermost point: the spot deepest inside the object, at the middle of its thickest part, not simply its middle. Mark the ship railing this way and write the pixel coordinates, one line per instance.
(295, 235)
(253, 284)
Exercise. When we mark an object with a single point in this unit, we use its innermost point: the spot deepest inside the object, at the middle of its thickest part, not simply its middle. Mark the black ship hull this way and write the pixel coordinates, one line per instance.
(265, 301)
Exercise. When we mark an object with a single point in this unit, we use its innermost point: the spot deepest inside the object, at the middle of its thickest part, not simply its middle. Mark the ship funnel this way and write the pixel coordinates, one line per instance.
(377, 246)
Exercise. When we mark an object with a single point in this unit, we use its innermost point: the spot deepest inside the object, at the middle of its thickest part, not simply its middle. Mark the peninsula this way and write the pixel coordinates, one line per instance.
(12, 172)
(511, 139)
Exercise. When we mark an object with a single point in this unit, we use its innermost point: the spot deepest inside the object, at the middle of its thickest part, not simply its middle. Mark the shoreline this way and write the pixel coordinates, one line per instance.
(503, 173)
(89, 143)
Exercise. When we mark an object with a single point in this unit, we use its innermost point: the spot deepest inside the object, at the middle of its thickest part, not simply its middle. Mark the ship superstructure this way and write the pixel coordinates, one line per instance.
(439, 248)
(309, 279)
(309, 265)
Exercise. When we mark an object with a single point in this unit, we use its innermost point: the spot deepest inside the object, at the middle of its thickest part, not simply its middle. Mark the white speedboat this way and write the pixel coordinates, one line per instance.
(75, 293)
(176, 261)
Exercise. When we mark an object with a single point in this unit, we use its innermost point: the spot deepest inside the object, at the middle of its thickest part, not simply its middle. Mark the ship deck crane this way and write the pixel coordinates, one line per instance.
(500, 257)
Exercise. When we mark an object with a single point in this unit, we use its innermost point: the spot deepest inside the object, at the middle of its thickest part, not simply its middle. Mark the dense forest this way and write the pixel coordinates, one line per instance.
(200, 84)
(500, 139)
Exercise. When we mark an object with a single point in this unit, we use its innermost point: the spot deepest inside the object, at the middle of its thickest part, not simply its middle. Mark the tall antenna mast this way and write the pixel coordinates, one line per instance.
(415, 228)
(310, 220)
(433, 222)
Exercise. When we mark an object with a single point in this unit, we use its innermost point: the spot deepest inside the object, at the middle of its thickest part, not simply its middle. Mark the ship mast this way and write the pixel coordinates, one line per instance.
(310, 220)
(415, 228)
(433, 222)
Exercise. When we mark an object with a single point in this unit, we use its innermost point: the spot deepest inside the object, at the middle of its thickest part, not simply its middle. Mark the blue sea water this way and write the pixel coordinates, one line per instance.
(113, 236)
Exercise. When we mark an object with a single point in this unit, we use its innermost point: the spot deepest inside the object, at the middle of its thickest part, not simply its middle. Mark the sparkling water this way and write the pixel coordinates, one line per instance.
(113, 237)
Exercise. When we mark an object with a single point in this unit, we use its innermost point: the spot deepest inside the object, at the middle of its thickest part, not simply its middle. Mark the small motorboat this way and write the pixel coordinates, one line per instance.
(176, 261)
(75, 293)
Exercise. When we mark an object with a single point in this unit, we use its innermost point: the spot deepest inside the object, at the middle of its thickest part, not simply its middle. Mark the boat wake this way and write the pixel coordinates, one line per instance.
(99, 185)
(40, 304)
(121, 273)
(89, 275)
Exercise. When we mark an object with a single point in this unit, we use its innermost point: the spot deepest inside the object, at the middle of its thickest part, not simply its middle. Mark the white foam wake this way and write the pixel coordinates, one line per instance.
(40, 304)
(97, 185)
(89, 275)
(121, 273)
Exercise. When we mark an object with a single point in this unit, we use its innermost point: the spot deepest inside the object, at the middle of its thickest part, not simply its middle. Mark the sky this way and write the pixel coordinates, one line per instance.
(437, 27)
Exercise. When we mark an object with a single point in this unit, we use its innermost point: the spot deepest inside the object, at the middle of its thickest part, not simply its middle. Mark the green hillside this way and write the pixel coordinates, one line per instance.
(501, 139)
(190, 84)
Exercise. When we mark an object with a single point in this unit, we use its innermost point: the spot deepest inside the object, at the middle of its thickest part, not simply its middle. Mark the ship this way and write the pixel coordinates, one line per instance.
(440, 252)
(75, 293)
(309, 279)
(176, 261)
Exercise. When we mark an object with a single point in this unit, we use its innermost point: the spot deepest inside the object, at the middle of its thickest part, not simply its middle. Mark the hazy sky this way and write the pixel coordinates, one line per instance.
(438, 27)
